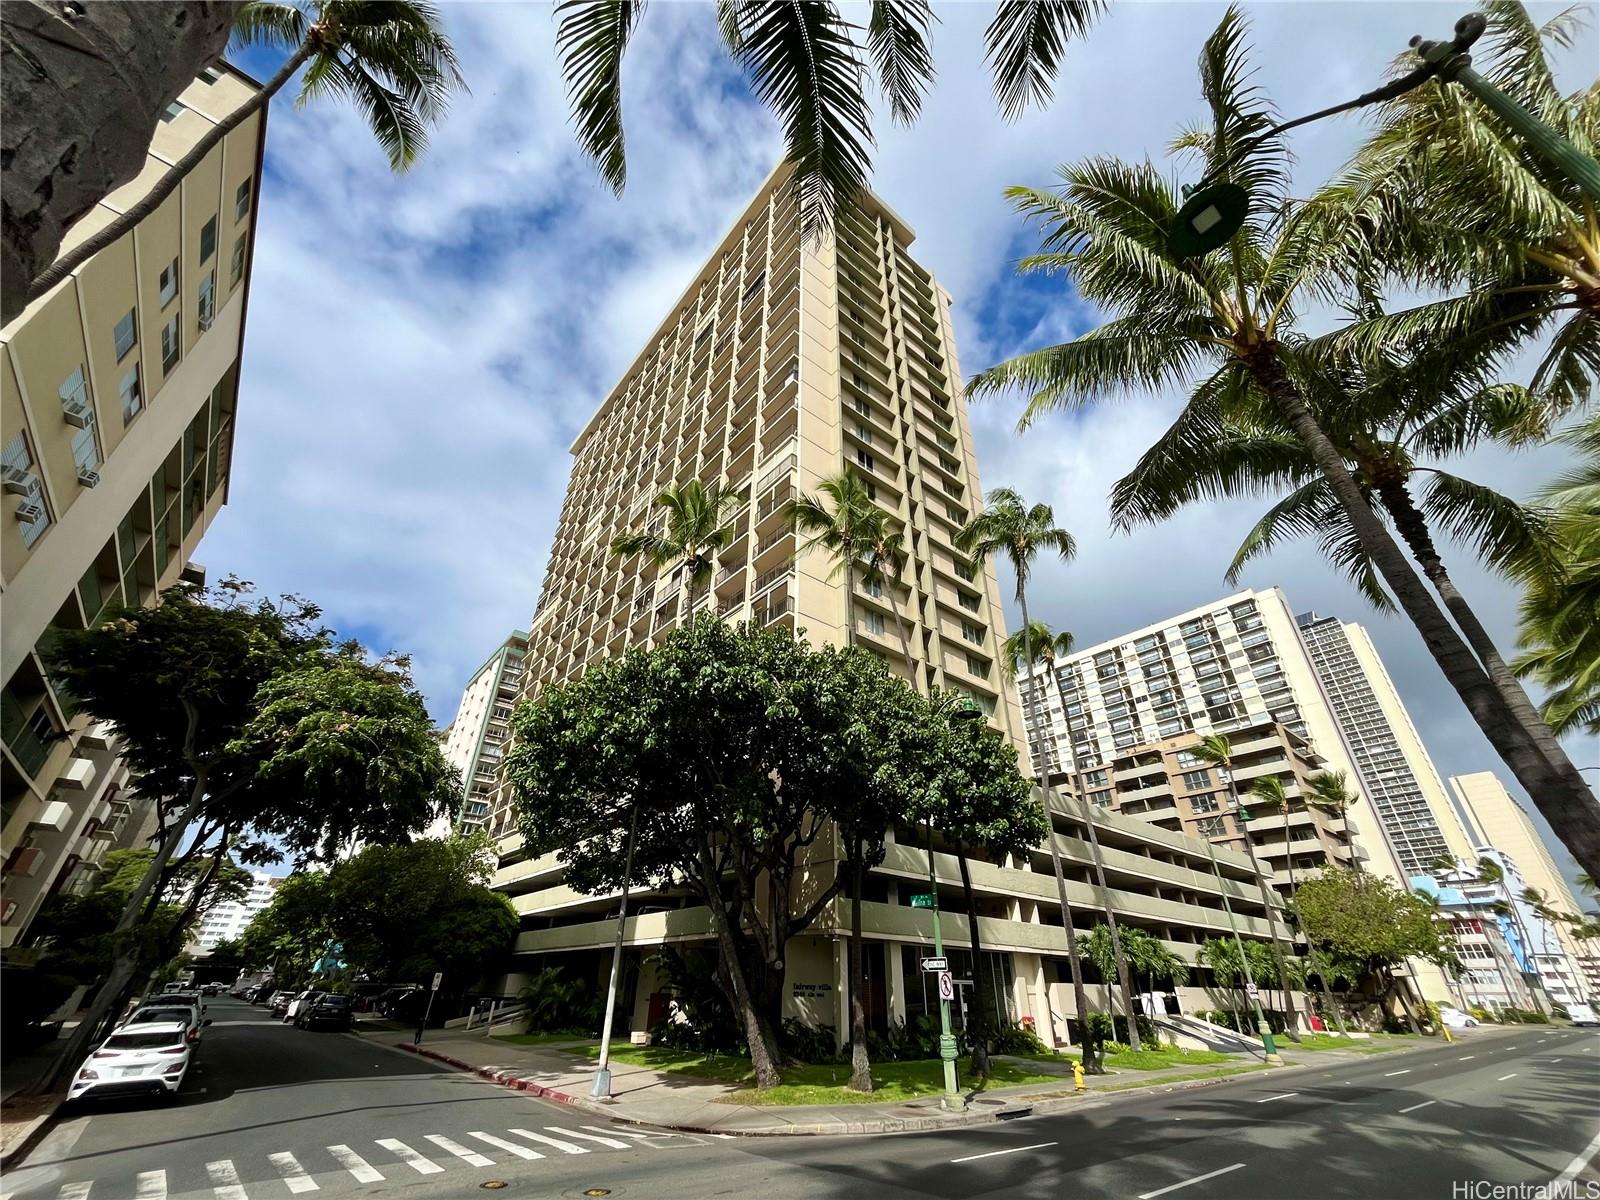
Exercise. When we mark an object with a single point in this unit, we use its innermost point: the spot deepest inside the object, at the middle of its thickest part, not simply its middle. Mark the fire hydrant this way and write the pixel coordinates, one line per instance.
(1077, 1077)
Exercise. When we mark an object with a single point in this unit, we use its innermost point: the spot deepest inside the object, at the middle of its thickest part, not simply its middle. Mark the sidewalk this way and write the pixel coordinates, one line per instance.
(25, 1119)
(674, 1101)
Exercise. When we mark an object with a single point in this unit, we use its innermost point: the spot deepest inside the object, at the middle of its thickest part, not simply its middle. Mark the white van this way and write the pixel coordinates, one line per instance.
(1582, 1014)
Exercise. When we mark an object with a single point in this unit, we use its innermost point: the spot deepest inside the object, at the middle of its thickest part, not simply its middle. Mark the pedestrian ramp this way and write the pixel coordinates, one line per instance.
(275, 1174)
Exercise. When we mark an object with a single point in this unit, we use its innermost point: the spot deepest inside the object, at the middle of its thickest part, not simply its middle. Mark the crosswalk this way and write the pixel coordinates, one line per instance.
(337, 1165)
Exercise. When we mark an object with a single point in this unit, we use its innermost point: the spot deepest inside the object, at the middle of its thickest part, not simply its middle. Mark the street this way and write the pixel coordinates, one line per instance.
(271, 1111)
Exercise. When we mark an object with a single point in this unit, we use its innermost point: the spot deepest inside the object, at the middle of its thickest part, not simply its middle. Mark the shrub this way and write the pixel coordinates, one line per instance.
(918, 1038)
(1114, 1047)
(1018, 1039)
(556, 1002)
(1482, 1014)
(810, 1043)
(1510, 1016)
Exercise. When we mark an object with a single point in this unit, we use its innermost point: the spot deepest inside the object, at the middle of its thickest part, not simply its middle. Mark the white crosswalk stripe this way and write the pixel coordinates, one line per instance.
(150, 1185)
(460, 1151)
(640, 1137)
(590, 1137)
(225, 1180)
(502, 1144)
(421, 1164)
(75, 1191)
(564, 1147)
(364, 1171)
(293, 1173)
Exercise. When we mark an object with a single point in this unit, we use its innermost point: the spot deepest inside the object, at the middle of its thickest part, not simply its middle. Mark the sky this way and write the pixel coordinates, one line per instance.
(422, 347)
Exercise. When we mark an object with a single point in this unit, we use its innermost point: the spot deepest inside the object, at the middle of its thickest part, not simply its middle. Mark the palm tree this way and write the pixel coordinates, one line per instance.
(1222, 326)
(693, 533)
(1587, 883)
(1216, 749)
(1492, 873)
(1010, 527)
(389, 58)
(844, 522)
(806, 66)
(885, 563)
(1329, 793)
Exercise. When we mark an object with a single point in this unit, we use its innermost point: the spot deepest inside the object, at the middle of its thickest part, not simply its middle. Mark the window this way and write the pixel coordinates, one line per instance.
(208, 239)
(208, 300)
(865, 460)
(873, 622)
(169, 282)
(863, 433)
(17, 461)
(131, 396)
(124, 335)
(967, 601)
(241, 200)
(1195, 780)
(171, 111)
(1203, 804)
(977, 666)
(74, 394)
(85, 451)
(873, 587)
(966, 572)
(236, 267)
(170, 349)
(973, 633)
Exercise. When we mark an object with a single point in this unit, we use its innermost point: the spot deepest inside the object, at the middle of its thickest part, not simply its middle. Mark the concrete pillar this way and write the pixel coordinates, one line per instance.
(841, 974)
(896, 980)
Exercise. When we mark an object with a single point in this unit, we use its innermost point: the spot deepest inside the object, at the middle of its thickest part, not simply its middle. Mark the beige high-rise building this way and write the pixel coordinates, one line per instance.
(474, 742)
(785, 362)
(117, 396)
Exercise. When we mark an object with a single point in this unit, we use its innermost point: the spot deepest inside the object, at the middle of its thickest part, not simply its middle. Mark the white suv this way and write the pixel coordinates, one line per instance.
(140, 1058)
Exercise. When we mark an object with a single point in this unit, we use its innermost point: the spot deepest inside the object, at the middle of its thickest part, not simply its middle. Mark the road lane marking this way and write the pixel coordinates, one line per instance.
(1466, 1057)
(643, 1137)
(997, 1153)
(1186, 1182)
(1576, 1166)
(364, 1171)
(1270, 1099)
(502, 1144)
(1503, 1078)
(150, 1185)
(1391, 1074)
(460, 1151)
(293, 1173)
(75, 1191)
(1555, 1060)
(421, 1164)
(1414, 1107)
(564, 1147)
(225, 1180)
(591, 1137)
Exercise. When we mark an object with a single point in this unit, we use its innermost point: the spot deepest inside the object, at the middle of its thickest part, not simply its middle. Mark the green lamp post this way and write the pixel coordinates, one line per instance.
(1215, 209)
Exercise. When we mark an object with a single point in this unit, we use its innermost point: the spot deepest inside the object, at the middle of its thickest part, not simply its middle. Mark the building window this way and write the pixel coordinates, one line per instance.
(967, 601)
(1196, 780)
(131, 394)
(169, 283)
(170, 348)
(85, 451)
(208, 300)
(125, 335)
(236, 267)
(973, 633)
(873, 587)
(977, 666)
(208, 239)
(74, 394)
(1203, 804)
(969, 573)
(171, 111)
(865, 460)
(241, 201)
(16, 462)
(873, 622)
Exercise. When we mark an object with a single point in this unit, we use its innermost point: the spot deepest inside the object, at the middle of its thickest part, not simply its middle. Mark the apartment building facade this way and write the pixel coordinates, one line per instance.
(474, 741)
(1397, 773)
(226, 921)
(117, 397)
(784, 362)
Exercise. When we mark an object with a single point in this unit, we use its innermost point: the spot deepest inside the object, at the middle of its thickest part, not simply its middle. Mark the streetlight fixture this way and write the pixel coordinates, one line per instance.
(1272, 1056)
(1214, 209)
(602, 1075)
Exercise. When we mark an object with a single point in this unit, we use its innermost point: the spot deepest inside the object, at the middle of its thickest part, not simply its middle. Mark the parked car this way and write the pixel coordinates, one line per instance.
(326, 1008)
(211, 989)
(188, 997)
(1455, 1018)
(299, 1002)
(386, 1002)
(262, 993)
(157, 1013)
(279, 1004)
(134, 1060)
(1582, 1014)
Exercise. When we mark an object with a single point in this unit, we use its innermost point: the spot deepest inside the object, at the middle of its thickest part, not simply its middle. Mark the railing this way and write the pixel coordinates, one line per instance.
(728, 605)
(772, 539)
(779, 609)
(767, 578)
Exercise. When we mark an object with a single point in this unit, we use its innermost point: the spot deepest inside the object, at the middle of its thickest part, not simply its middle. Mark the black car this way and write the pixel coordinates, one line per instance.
(326, 1009)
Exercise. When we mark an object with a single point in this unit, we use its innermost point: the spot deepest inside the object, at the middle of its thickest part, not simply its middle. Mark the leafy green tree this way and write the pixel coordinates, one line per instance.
(805, 64)
(292, 932)
(1149, 958)
(739, 748)
(688, 538)
(243, 714)
(1223, 325)
(389, 58)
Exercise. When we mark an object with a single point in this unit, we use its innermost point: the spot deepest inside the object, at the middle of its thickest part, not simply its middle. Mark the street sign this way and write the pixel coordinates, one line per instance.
(947, 986)
(936, 964)
(438, 978)
(922, 900)
(1251, 990)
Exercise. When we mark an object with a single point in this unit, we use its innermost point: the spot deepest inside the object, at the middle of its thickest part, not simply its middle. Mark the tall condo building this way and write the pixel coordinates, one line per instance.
(226, 921)
(1396, 771)
(784, 362)
(117, 393)
(476, 739)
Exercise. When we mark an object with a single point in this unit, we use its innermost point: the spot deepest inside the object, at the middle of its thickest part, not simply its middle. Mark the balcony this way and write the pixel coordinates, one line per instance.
(775, 610)
(771, 578)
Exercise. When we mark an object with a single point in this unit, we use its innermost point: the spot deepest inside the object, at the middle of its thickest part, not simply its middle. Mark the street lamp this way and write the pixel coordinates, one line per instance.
(602, 1075)
(1271, 1047)
(1214, 209)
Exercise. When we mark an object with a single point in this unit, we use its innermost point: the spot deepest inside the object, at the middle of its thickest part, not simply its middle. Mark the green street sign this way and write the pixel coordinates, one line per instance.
(922, 900)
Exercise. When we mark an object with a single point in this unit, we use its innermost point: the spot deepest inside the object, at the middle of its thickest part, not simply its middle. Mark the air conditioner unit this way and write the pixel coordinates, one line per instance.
(18, 481)
(207, 322)
(88, 478)
(29, 512)
(77, 413)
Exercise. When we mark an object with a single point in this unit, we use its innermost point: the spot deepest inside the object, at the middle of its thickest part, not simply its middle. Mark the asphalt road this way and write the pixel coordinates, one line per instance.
(271, 1112)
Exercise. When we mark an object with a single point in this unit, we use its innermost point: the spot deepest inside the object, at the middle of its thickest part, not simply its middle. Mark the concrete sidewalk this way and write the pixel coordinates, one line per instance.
(674, 1101)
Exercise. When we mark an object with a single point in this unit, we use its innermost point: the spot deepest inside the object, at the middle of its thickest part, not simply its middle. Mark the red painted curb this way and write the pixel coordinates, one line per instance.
(503, 1078)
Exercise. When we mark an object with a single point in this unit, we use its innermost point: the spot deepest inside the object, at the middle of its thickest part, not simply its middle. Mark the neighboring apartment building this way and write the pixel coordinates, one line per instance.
(1500, 828)
(476, 739)
(1396, 771)
(1495, 972)
(782, 363)
(117, 396)
(226, 921)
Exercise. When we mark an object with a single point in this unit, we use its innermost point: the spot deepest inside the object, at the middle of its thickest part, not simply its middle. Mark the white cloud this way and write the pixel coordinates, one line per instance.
(423, 347)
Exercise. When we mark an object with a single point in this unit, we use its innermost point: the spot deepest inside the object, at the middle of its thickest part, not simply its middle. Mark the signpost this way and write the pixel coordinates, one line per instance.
(923, 900)
(947, 986)
(1251, 990)
(438, 978)
(936, 964)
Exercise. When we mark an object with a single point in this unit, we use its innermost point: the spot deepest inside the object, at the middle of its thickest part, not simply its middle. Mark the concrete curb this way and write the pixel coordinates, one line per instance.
(42, 1125)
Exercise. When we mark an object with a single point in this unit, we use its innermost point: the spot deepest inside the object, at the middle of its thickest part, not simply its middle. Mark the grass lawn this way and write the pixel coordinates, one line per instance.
(722, 1068)
(1164, 1059)
(1376, 1043)
(545, 1038)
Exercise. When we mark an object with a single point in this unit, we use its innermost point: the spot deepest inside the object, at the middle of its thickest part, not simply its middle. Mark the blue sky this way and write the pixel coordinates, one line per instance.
(422, 347)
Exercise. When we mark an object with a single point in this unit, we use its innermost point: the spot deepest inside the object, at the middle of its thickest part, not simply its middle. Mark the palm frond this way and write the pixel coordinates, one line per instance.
(1301, 513)
(265, 23)
(1567, 373)
(591, 38)
(1504, 534)
(897, 39)
(1025, 43)
(1241, 115)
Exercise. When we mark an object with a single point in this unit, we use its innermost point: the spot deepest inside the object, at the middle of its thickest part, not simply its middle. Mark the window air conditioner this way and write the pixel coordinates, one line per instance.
(206, 322)
(19, 481)
(29, 512)
(88, 478)
(77, 413)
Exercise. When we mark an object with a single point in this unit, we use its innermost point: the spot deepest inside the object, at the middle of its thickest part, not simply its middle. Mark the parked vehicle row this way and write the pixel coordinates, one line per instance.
(149, 1052)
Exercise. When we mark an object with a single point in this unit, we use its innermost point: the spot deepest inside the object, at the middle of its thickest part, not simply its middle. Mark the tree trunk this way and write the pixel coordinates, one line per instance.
(1527, 749)
(860, 1065)
(764, 1052)
(1290, 1013)
(1111, 923)
(978, 1023)
(1405, 1004)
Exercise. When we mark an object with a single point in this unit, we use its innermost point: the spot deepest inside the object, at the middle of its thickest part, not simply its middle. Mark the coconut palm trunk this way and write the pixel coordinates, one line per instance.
(1312, 962)
(1290, 1010)
(1111, 923)
(1527, 746)
(860, 1062)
